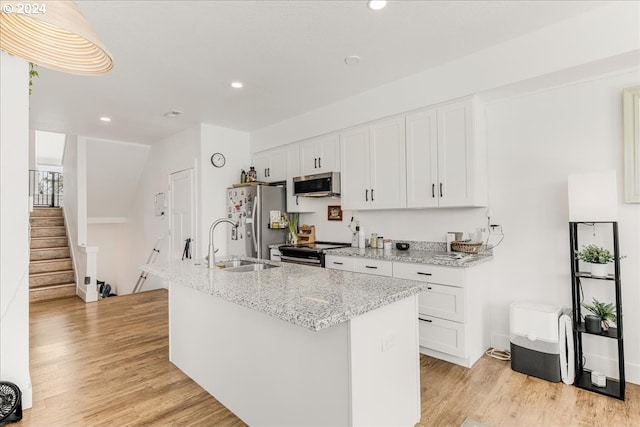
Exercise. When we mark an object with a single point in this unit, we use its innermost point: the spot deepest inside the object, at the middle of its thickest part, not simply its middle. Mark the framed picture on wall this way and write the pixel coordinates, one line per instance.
(334, 213)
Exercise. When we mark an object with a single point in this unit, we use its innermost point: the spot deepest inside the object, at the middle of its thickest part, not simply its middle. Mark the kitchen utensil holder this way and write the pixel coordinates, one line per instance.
(466, 247)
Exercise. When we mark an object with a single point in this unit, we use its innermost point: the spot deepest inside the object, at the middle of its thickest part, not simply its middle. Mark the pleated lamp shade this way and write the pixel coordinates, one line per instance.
(57, 37)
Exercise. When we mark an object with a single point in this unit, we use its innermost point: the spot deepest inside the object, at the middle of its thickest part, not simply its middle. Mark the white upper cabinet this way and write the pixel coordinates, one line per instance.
(373, 165)
(446, 156)
(271, 165)
(321, 154)
(294, 203)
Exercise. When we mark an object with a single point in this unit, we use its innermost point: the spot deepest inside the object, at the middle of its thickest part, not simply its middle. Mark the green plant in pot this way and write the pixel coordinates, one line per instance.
(604, 311)
(597, 257)
(293, 228)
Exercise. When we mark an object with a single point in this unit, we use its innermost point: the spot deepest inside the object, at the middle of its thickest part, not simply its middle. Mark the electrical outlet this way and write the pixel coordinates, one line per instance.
(87, 280)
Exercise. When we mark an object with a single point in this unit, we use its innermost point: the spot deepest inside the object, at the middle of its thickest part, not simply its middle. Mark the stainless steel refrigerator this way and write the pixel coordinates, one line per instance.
(251, 207)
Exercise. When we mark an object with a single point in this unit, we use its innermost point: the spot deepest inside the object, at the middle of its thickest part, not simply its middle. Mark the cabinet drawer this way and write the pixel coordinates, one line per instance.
(446, 302)
(275, 254)
(442, 335)
(429, 273)
(338, 262)
(373, 266)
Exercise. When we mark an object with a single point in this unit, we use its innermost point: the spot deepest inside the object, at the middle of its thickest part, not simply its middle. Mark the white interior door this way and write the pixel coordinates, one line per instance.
(182, 193)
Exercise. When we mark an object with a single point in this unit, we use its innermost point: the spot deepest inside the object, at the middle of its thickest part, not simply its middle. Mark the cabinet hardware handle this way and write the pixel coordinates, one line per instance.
(427, 320)
(371, 266)
(440, 189)
(372, 194)
(429, 288)
(366, 195)
(319, 162)
(315, 163)
(424, 274)
(297, 200)
(338, 263)
(433, 191)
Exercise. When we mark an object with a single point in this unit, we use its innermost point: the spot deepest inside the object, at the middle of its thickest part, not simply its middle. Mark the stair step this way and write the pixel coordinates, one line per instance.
(56, 231)
(51, 278)
(48, 242)
(46, 212)
(46, 221)
(50, 253)
(66, 290)
(50, 265)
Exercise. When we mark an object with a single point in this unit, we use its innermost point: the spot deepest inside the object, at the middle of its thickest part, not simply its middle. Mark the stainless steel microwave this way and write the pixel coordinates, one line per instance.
(319, 185)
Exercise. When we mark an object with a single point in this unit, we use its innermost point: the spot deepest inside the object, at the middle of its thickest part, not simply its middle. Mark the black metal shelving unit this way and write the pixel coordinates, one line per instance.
(614, 388)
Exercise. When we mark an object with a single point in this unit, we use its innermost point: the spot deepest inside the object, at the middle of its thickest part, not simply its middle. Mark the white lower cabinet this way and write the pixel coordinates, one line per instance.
(453, 322)
(338, 262)
(373, 266)
(274, 254)
(442, 335)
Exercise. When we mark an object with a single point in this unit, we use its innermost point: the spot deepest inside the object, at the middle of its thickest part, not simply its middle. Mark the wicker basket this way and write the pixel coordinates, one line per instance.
(466, 247)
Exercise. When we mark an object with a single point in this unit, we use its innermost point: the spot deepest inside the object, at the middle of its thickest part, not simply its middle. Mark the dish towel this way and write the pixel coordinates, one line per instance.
(567, 368)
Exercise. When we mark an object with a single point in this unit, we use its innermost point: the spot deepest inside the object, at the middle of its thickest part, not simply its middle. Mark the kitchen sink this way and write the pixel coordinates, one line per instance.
(234, 263)
(250, 267)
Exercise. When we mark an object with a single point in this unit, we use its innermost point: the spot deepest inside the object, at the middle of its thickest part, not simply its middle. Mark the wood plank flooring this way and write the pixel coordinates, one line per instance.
(106, 364)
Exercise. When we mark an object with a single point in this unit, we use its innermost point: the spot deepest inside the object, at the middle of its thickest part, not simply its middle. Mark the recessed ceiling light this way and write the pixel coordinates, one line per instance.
(105, 119)
(352, 60)
(172, 113)
(236, 85)
(376, 4)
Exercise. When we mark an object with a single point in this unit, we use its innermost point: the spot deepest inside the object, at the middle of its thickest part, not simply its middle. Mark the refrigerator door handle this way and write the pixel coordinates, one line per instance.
(253, 225)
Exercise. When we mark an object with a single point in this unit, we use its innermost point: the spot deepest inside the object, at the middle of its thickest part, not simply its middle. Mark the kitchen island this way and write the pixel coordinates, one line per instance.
(296, 345)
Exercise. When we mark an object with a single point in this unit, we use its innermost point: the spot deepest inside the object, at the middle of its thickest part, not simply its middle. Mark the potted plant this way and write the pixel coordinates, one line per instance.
(603, 311)
(293, 228)
(597, 258)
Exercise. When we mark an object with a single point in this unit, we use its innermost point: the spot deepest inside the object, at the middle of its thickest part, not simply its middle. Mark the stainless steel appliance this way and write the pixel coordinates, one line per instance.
(250, 206)
(319, 185)
(308, 254)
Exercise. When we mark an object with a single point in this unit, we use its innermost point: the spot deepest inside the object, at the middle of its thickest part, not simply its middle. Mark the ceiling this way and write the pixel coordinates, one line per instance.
(290, 55)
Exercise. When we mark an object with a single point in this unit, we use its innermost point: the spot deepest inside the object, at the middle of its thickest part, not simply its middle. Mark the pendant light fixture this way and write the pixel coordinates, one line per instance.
(52, 34)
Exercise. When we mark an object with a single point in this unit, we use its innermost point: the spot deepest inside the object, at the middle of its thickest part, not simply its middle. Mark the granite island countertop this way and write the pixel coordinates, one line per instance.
(417, 256)
(311, 297)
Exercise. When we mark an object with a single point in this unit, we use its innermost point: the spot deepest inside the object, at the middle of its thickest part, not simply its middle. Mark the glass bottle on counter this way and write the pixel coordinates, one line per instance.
(373, 241)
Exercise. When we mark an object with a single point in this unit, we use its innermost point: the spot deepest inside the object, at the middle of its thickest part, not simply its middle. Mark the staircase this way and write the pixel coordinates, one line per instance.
(51, 273)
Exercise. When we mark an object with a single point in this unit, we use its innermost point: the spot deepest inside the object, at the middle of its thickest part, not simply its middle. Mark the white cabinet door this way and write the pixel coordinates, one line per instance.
(329, 153)
(354, 156)
(309, 157)
(446, 156)
(277, 170)
(442, 335)
(321, 154)
(271, 165)
(422, 159)
(294, 203)
(387, 167)
(261, 164)
(455, 154)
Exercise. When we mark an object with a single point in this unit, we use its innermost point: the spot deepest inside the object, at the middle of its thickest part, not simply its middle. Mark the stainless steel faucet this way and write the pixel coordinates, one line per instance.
(212, 252)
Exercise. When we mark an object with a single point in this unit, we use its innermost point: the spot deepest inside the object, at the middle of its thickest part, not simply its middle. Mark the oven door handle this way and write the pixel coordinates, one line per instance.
(296, 260)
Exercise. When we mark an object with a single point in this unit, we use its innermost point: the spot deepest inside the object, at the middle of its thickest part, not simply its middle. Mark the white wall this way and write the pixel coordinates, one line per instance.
(188, 149)
(114, 252)
(14, 223)
(597, 40)
(234, 145)
(112, 167)
(535, 142)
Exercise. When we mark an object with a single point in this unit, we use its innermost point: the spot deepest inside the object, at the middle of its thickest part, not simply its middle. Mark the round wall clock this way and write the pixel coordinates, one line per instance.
(218, 160)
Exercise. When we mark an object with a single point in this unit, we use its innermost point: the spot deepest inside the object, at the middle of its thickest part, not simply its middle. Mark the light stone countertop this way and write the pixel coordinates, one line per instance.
(311, 297)
(419, 256)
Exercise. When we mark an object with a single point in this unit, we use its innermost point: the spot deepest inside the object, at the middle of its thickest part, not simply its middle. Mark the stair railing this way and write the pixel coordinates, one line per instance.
(46, 188)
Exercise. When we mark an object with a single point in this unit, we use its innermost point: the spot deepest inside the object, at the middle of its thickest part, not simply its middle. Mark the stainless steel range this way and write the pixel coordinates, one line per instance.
(308, 254)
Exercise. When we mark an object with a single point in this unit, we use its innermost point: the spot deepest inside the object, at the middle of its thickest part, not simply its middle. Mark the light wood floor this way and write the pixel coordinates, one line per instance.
(106, 364)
